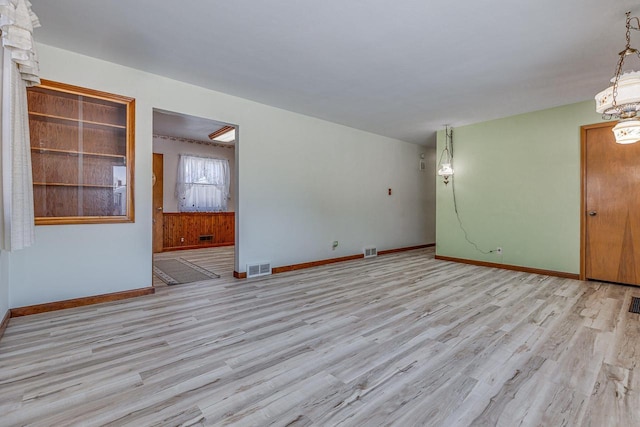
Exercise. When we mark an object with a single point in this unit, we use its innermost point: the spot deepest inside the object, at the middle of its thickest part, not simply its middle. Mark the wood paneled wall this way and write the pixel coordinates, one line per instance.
(183, 230)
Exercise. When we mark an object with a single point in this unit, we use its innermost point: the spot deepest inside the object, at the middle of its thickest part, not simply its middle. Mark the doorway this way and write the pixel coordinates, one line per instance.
(194, 220)
(610, 220)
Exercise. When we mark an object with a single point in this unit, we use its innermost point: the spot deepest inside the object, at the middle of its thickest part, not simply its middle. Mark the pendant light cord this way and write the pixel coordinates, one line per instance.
(455, 208)
(449, 141)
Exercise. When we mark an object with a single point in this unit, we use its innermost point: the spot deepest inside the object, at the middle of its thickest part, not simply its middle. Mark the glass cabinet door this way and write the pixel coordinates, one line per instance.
(81, 154)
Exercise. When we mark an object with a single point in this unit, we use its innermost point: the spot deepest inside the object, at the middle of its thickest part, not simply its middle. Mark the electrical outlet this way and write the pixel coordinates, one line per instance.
(182, 240)
(499, 250)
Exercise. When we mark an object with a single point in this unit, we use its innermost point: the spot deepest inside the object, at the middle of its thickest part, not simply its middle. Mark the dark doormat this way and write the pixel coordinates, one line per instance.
(179, 271)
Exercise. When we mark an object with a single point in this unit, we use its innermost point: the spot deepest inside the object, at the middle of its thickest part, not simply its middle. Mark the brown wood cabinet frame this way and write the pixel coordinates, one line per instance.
(60, 150)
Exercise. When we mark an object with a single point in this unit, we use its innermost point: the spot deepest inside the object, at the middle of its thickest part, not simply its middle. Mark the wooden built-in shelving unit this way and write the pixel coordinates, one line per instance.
(81, 154)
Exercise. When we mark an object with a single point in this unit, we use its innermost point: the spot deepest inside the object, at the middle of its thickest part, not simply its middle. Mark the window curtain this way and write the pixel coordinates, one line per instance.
(19, 70)
(202, 184)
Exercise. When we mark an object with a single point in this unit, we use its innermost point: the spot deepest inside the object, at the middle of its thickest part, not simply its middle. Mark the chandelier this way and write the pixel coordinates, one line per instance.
(621, 100)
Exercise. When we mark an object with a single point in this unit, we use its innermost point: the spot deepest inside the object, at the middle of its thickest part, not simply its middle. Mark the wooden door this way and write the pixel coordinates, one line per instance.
(158, 221)
(611, 222)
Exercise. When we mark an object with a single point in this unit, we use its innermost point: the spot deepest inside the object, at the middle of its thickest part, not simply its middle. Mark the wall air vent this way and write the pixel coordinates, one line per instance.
(259, 269)
(370, 252)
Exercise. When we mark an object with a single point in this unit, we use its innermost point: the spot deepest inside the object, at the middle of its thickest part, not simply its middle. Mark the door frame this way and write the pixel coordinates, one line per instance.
(235, 181)
(583, 192)
(154, 236)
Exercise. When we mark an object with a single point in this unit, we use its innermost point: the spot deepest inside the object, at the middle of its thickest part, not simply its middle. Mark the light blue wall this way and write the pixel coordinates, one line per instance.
(4, 283)
(302, 183)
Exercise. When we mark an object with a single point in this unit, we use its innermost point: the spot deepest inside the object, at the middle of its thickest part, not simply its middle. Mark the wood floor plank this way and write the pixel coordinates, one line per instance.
(402, 339)
(615, 398)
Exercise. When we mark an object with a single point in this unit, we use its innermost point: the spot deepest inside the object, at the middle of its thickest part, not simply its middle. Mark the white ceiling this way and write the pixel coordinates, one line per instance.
(397, 68)
(167, 123)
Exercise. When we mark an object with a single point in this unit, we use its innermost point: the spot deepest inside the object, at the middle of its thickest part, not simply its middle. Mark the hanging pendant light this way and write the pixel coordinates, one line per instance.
(445, 171)
(446, 158)
(621, 100)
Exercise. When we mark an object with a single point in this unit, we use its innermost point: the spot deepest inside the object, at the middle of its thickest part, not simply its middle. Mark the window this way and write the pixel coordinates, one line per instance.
(202, 184)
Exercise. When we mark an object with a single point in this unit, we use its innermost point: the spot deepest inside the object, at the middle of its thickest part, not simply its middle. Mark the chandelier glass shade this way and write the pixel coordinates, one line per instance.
(627, 131)
(626, 103)
(445, 170)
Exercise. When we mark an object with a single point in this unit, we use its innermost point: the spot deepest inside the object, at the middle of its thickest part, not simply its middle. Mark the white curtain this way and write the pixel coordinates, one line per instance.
(19, 70)
(202, 184)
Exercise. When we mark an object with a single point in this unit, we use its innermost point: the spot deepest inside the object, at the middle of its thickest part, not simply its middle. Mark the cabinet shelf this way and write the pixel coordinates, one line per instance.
(64, 184)
(77, 153)
(44, 116)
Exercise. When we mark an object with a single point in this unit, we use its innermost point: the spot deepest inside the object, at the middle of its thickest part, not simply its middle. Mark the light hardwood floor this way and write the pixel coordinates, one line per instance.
(218, 260)
(401, 339)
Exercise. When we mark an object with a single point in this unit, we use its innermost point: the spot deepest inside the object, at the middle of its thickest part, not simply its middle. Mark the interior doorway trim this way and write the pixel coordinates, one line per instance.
(195, 129)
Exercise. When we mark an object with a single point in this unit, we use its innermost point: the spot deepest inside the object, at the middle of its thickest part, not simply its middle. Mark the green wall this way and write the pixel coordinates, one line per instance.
(517, 183)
